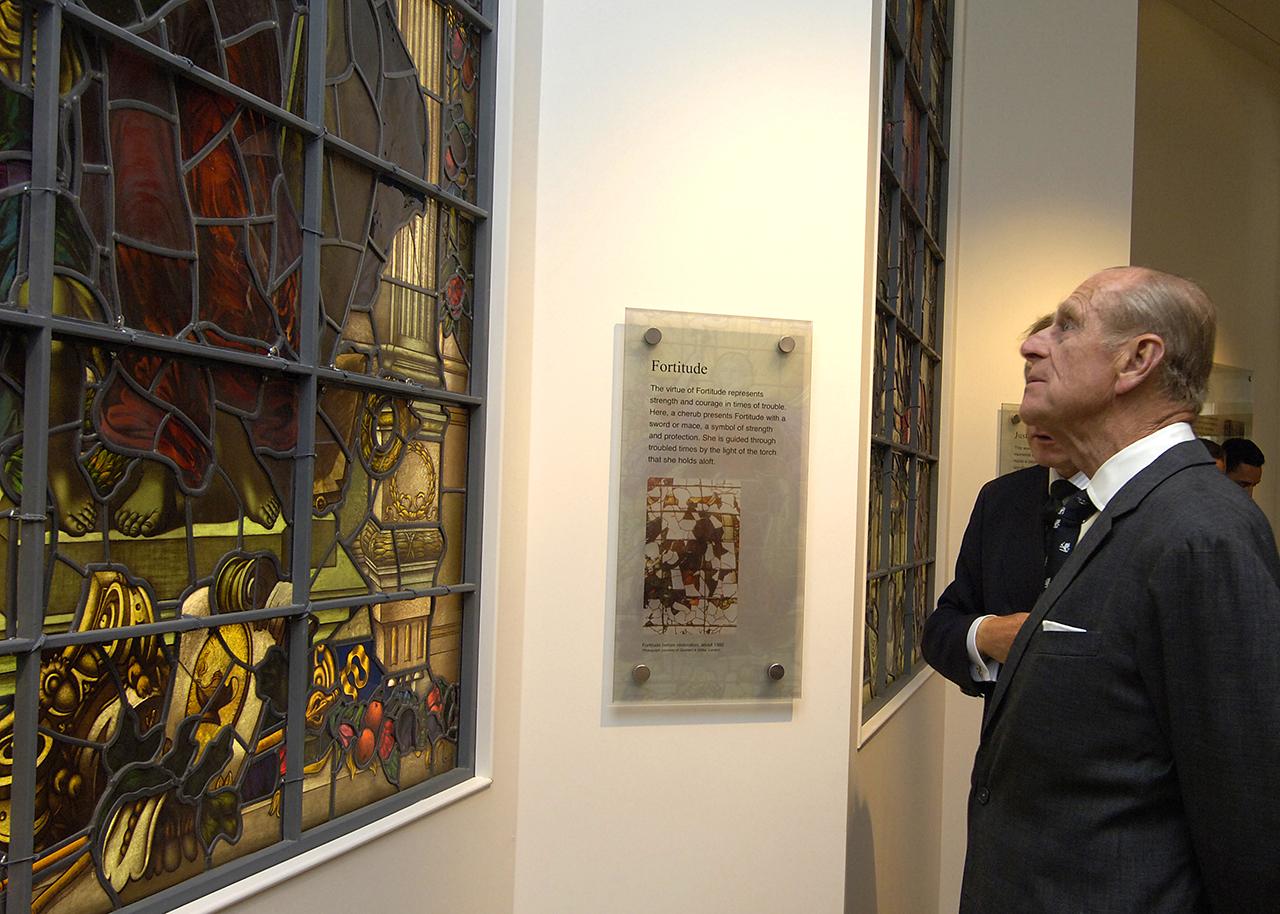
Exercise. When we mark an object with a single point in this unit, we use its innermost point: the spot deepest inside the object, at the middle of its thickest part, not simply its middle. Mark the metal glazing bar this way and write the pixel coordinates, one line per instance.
(84, 331)
(167, 626)
(300, 560)
(469, 13)
(375, 599)
(10, 646)
(473, 557)
(400, 176)
(408, 389)
(35, 450)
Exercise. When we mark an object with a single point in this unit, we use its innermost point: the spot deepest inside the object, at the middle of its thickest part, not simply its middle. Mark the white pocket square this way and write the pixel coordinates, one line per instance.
(1049, 625)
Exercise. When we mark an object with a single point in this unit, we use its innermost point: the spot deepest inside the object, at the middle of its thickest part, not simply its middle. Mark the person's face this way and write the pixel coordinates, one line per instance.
(1246, 476)
(1047, 451)
(1071, 368)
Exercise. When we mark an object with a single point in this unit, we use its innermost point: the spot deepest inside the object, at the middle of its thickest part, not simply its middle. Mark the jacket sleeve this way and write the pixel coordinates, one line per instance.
(947, 628)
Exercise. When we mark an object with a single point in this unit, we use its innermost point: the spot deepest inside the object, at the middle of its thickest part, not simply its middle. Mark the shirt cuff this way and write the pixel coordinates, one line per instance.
(981, 669)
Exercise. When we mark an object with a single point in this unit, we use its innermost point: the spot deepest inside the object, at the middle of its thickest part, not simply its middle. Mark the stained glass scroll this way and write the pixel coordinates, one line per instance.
(712, 505)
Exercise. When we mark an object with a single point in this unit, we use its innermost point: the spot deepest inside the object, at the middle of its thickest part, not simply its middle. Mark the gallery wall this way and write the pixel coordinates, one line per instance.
(1206, 196)
(1042, 183)
(700, 157)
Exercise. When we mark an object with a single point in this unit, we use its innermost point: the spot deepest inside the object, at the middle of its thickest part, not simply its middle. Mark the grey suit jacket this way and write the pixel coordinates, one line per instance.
(1135, 766)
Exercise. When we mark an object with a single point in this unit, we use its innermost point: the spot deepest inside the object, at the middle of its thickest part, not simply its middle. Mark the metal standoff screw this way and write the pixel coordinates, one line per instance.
(777, 671)
(653, 336)
(787, 344)
(640, 673)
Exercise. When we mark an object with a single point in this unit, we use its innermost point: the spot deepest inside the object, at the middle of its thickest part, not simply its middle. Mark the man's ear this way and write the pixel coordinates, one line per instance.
(1138, 359)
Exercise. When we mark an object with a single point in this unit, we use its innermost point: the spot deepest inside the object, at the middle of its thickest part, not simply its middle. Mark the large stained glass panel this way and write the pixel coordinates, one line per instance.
(235, 427)
(911, 212)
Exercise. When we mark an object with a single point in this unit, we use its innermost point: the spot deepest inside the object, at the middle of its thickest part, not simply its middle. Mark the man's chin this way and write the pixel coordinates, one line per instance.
(1032, 410)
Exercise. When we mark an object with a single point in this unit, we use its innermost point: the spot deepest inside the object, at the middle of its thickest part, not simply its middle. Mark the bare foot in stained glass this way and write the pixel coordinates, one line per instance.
(77, 509)
(152, 507)
(72, 494)
(250, 480)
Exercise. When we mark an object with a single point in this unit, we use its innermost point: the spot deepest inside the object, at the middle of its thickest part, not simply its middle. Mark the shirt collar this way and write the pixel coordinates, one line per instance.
(1128, 462)
(1079, 480)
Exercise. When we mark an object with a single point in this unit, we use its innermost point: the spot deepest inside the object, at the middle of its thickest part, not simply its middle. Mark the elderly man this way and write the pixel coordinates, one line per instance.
(1129, 750)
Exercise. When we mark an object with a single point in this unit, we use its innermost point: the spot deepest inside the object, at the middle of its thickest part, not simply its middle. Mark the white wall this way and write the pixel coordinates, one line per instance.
(1042, 189)
(1206, 200)
(703, 156)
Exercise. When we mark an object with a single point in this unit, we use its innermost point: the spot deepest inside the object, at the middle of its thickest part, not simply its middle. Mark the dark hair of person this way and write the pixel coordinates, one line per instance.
(1213, 447)
(1242, 450)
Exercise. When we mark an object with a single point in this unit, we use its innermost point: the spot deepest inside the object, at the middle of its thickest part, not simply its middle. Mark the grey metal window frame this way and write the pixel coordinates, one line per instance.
(884, 448)
(38, 326)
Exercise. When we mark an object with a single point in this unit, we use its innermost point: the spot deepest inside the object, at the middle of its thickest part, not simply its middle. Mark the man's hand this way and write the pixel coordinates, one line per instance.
(995, 635)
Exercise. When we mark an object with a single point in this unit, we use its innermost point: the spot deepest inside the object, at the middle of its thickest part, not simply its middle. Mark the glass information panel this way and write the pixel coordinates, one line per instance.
(713, 466)
(1015, 451)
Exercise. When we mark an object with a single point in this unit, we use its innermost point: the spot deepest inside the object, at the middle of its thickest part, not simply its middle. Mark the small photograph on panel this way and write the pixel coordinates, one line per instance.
(693, 533)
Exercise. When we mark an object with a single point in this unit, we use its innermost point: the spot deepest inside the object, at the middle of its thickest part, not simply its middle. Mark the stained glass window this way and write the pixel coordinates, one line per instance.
(908, 315)
(240, 339)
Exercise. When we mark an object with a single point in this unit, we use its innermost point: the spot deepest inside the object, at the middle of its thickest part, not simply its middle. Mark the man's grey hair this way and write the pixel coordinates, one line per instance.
(1178, 311)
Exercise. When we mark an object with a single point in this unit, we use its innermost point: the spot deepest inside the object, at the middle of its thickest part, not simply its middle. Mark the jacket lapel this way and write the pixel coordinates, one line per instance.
(1177, 458)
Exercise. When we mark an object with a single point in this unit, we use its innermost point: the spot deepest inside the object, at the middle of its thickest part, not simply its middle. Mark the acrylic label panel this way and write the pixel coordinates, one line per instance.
(713, 458)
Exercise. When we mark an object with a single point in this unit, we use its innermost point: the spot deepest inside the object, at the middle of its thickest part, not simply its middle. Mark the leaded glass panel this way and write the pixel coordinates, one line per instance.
(911, 214)
(930, 301)
(16, 62)
(251, 44)
(159, 755)
(457, 288)
(922, 547)
(920, 606)
(389, 487)
(462, 65)
(895, 643)
(925, 404)
(880, 376)
(166, 469)
(871, 663)
(225, 480)
(916, 39)
(168, 192)
(902, 371)
(907, 268)
(383, 703)
(899, 508)
(875, 510)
